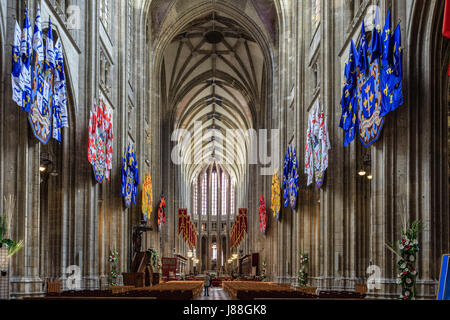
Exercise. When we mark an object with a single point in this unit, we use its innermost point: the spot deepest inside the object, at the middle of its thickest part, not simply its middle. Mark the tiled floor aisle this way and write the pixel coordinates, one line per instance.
(215, 294)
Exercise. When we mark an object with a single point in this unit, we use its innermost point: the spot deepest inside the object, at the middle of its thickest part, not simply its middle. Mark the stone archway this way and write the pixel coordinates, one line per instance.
(241, 93)
(427, 98)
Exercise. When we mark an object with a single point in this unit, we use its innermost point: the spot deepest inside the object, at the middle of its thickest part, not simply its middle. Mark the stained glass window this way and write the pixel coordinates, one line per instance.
(232, 208)
(204, 194)
(195, 197)
(224, 193)
(214, 193)
(105, 13)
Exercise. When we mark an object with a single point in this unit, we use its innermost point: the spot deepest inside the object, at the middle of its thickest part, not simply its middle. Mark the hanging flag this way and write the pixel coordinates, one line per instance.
(349, 115)
(293, 180)
(147, 198)
(286, 170)
(446, 25)
(290, 178)
(101, 137)
(376, 49)
(187, 220)
(26, 52)
(353, 62)
(350, 134)
(262, 215)
(386, 38)
(317, 146)
(245, 220)
(59, 107)
(161, 219)
(40, 114)
(16, 67)
(392, 77)
(276, 196)
(362, 63)
(397, 74)
(321, 150)
(367, 106)
(348, 93)
(130, 176)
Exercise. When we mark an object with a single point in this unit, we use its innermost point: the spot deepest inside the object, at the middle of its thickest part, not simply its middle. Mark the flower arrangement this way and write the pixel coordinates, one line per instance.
(263, 272)
(156, 264)
(302, 277)
(5, 229)
(114, 274)
(113, 255)
(408, 247)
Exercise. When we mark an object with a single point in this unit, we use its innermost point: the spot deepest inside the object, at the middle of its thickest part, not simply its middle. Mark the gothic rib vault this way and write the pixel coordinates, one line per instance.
(158, 67)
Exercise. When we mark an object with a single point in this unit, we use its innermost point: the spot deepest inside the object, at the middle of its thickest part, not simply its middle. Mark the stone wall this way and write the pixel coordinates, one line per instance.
(343, 226)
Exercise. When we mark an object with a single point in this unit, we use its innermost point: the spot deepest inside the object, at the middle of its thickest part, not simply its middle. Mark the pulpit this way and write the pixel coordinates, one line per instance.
(141, 273)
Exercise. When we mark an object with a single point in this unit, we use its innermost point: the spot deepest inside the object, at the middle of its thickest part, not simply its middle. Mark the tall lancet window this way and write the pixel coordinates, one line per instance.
(214, 252)
(205, 194)
(130, 45)
(232, 208)
(224, 193)
(316, 13)
(195, 198)
(214, 192)
(105, 14)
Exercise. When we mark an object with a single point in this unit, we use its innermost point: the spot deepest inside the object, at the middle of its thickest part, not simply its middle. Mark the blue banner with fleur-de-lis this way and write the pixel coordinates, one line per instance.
(130, 176)
(290, 178)
(371, 91)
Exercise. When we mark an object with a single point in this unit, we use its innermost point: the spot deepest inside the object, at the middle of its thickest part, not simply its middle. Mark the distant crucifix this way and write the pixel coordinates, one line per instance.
(137, 236)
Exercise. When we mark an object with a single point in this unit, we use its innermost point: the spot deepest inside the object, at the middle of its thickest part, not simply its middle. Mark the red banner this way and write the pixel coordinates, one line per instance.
(182, 214)
(446, 24)
(186, 228)
(239, 228)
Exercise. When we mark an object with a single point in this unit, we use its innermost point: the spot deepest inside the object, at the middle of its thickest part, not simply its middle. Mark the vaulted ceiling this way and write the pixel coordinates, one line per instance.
(213, 73)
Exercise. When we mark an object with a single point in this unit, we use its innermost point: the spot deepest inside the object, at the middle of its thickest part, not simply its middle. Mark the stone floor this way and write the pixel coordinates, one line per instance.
(215, 294)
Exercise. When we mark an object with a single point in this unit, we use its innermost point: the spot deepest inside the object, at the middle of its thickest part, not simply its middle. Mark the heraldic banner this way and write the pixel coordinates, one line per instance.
(147, 198)
(186, 228)
(239, 228)
(373, 82)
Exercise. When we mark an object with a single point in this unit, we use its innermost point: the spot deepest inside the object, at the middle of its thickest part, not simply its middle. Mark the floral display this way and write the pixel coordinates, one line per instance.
(302, 277)
(156, 263)
(114, 273)
(263, 272)
(5, 228)
(408, 247)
